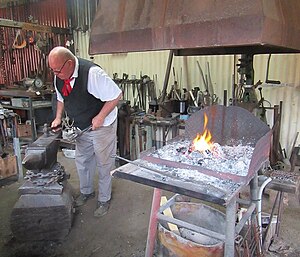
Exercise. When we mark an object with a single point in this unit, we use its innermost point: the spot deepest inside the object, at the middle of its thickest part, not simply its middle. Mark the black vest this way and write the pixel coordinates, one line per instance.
(80, 105)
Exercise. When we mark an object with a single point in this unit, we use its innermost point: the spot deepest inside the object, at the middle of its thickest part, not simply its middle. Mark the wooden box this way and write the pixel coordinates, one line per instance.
(8, 166)
(24, 130)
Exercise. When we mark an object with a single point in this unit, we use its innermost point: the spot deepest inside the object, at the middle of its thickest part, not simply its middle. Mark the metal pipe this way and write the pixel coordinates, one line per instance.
(230, 228)
(259, 200)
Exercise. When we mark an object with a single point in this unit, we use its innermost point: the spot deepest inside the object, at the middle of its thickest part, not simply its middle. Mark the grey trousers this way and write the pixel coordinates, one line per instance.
(93, 152)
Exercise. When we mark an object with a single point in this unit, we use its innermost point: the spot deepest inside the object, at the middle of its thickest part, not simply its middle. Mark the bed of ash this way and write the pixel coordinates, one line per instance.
(228, 159)
(189, 175)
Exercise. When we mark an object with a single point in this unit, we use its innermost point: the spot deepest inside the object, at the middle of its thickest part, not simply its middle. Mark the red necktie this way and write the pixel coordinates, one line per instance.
(66, 90)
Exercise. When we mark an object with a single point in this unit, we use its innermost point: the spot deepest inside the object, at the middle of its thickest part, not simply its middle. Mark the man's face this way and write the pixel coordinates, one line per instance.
(61, 69)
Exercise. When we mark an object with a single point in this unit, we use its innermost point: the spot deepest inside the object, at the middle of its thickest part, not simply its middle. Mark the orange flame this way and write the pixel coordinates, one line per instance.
(203, 142)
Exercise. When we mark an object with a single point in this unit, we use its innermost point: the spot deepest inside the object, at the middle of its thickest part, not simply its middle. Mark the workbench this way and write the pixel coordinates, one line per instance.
(28, 101)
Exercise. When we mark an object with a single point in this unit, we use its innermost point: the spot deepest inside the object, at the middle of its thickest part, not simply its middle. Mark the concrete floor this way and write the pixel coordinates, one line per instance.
(123, 231)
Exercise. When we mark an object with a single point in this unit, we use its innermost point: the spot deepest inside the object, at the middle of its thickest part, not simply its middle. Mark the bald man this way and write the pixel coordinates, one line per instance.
(88, 96)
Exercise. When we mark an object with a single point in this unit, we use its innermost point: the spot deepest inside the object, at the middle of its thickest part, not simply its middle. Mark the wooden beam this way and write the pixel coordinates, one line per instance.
(32, 26)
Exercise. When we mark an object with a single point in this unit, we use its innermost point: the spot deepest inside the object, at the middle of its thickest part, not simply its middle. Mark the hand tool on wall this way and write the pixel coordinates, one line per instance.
(209, 82)
(261, 104)
(3, 133)
(294, 153)
(269, 81)
(167, 75)
(193, 98)
(19, 41)
(203, 78)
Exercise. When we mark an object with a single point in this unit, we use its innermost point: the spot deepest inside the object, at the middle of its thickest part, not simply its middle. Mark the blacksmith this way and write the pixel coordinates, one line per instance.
(89, 97)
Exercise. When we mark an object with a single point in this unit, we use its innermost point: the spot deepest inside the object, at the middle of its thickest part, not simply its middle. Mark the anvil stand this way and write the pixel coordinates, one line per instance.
(44, 210)
(232, 230)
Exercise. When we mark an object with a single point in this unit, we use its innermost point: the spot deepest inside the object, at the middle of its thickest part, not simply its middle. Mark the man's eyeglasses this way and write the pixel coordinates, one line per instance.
(59, 71)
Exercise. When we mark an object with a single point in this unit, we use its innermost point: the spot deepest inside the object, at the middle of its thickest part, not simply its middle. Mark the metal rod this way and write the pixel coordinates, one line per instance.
(16, 144)
(192, 227)
(280, 210)
(245, 217)
(167, 75)
(168, 203)
(264, 245)
(138, 164)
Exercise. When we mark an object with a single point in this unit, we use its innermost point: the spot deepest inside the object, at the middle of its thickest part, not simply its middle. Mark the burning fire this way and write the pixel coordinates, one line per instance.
(203, 142)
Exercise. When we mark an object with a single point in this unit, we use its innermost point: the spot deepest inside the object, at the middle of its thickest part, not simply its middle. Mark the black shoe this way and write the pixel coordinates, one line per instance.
(82, 199)
(102, 208)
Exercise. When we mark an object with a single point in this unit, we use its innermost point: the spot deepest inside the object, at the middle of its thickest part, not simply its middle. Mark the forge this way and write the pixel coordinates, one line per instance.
(229, 126)
(245, 138)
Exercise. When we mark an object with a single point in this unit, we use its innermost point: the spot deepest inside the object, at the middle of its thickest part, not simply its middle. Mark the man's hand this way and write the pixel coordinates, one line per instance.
(56, 125)
(97, 122)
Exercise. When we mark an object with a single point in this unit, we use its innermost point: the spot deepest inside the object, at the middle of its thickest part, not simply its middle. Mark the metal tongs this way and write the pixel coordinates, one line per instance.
(76, 133)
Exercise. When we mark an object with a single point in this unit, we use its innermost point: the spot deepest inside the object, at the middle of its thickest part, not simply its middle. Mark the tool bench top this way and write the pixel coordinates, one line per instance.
(23, 93)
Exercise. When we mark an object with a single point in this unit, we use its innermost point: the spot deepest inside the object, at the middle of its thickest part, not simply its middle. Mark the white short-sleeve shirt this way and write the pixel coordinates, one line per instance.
(101, 86)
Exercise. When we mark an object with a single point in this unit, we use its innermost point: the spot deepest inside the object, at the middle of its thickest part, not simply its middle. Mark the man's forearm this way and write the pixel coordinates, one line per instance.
(106, 109)
(59, 110)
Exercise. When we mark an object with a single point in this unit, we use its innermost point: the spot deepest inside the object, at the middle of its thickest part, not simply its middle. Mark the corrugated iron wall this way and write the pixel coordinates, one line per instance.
(222, 68)
(18, 64)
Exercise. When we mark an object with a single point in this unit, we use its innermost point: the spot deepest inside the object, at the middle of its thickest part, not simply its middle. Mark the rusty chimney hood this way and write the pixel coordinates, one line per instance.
(196, 27)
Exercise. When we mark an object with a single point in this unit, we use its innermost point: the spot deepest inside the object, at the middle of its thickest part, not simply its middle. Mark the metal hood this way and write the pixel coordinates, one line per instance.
(197, 27)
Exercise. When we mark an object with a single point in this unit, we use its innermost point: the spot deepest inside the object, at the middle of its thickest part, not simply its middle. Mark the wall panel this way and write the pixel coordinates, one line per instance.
(30, 61)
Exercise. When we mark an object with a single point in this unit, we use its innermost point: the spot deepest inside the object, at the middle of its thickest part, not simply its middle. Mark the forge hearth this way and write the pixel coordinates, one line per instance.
(241, 144)
(228, 159)
(230, 127)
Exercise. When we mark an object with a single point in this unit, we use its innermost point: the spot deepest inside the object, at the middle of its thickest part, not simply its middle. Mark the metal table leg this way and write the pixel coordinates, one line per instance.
(230, 228)
(153, 222)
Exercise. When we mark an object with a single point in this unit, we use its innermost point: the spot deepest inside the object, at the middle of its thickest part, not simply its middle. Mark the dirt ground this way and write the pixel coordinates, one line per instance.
(123, 231)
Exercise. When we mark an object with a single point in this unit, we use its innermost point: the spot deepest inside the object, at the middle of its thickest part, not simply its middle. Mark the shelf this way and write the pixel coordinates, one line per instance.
(29, 102)
(39, 106)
